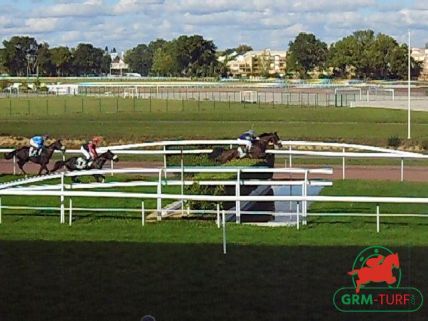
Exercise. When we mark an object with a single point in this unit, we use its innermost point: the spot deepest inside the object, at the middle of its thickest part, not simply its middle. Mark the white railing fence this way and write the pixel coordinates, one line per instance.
(290, 149)
(18, 187)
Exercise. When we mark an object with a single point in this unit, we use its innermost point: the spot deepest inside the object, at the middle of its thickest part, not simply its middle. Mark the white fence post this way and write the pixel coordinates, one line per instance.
(70, 212)
(343, 164)
(142, 214)
(159, 199)
(111, 167)
(14, 165)
(218, 215)
(297, 215)
(305, 203)
(62, 219)
(238, 194)
(164, 158)
(182, 181)
(224, 232)
(377, 219)
(290, 157)
(402, 170)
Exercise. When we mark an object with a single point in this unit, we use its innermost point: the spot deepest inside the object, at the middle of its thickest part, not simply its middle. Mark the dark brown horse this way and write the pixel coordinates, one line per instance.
(72, 165)
(22, 155)
(257, 151)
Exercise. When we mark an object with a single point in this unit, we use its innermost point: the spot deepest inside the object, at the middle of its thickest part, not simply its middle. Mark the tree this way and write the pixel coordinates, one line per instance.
(139, 59)
(195, 56)
(62, 60)
(264, 62)
(366, 55)
(44, 60)
(305, 54)
(19, 53)
(105, 63)
(163, 63)
(87, 60)
(241, 49)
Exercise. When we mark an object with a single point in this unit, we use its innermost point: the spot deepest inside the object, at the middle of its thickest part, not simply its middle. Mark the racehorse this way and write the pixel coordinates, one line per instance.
(22, 154)
(257, 151)
(72, 164)
(378, 269)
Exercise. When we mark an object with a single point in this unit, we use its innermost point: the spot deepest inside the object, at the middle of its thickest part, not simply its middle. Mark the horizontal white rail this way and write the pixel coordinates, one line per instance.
(334, 199)
(80, 186)
(343, 154)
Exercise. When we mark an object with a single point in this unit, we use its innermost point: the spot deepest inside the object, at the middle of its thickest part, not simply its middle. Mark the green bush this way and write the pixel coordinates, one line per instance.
(197, 189)
(394, 141)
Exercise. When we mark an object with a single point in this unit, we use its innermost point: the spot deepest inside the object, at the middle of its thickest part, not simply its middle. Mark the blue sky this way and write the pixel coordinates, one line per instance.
(259, 23)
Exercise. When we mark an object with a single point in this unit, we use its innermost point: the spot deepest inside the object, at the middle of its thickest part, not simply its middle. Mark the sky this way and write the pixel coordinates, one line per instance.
(123, 24)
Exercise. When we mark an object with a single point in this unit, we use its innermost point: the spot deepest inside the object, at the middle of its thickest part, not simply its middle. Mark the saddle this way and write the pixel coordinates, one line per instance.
(34, 152)
(82, 163)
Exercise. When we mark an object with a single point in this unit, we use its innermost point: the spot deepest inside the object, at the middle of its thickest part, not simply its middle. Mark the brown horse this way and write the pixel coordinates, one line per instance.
(23, 156)
(257, 151)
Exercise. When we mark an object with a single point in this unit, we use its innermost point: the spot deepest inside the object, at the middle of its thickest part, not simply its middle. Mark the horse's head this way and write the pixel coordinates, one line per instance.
(57, 145)
(272, 139)
(109, 155)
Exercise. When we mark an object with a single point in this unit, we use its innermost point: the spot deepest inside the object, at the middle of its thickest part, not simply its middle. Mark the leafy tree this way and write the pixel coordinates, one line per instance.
(241, 49)
(195, 56)
(105, 63)
(62, 60)
(87, 60)
(139, 59)
(368, 56)
(15, 54)
(305, 54)
(163, 63)
(44, 60)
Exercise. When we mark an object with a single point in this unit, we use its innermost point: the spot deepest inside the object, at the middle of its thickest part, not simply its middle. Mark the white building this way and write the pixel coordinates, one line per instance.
(421, 55)
(258, 63)
(118, 67)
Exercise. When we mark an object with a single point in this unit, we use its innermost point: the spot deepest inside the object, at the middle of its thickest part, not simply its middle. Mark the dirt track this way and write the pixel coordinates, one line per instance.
(411, 173)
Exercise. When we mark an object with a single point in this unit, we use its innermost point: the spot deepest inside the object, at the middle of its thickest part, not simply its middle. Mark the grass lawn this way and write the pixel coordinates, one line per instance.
(118, 119)
(112, 268)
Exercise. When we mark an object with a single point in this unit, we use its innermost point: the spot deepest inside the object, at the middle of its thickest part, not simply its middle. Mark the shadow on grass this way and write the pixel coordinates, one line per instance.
(125, 281)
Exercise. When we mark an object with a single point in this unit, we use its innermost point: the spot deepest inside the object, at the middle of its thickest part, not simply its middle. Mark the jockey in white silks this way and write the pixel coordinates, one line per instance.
(246, 139)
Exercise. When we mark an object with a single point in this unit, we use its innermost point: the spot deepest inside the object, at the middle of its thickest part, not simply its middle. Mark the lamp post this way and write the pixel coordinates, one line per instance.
(408, 92)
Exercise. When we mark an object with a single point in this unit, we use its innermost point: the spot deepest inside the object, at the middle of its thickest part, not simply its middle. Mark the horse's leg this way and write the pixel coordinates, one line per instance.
(21, 164)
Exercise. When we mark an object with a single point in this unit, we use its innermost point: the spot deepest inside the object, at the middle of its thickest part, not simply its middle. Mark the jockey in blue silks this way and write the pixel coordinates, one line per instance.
(246, 139)
(37, 143)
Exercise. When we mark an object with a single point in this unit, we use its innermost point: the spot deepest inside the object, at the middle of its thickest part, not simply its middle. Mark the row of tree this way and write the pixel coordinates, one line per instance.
(363, 55)
(23, 56)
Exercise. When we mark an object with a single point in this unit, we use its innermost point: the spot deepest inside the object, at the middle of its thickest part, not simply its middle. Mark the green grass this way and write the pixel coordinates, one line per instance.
(170, 121)
(112, 268)
(373, 188)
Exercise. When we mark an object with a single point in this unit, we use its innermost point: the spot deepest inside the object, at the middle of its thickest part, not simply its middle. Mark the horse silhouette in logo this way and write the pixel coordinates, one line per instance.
(377, 269)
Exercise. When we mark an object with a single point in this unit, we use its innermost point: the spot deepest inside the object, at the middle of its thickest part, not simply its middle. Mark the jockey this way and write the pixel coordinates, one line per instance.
(36, 145)
(247, 139)
(89, 150)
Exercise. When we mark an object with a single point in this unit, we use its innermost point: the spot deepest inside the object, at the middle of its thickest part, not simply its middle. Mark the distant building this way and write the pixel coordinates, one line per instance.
(421, 55)
(257, 63)
(118, 67)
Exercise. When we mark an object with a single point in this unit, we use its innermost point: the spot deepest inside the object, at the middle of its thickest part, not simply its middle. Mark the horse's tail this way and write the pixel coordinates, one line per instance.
(58, 164)
(10, 155)
(353, 272)
(217, 151)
